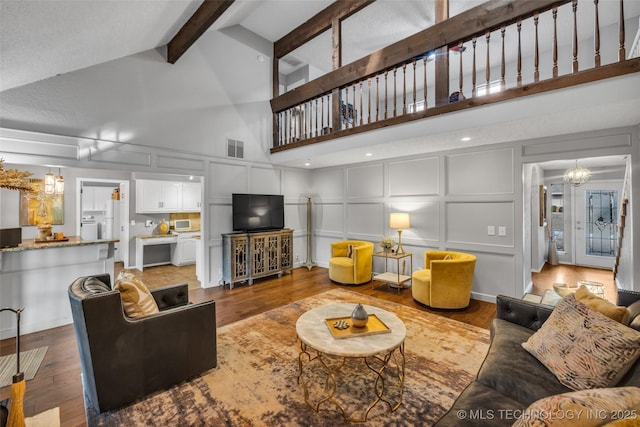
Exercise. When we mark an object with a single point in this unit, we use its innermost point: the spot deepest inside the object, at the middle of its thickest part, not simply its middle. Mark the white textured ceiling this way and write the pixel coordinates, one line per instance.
(91, 68)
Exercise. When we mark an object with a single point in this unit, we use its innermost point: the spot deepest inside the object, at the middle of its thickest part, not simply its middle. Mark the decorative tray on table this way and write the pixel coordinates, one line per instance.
(373, 327)
(64, 239)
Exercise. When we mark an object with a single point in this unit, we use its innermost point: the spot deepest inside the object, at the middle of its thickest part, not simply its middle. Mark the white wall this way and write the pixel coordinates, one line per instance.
(452, 195)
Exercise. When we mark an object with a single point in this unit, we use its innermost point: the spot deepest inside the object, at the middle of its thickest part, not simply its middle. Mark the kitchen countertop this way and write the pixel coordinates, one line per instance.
(28, 244)
(170, 234)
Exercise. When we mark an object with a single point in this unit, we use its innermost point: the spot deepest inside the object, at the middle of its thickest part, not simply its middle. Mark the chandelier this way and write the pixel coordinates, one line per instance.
(577, 175)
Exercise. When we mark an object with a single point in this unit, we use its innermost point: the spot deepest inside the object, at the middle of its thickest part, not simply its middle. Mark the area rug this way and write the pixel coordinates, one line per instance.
(255, 382)
(30, 361)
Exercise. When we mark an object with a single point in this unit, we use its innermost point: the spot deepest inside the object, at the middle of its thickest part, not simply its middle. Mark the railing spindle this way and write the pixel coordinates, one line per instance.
(473, 72)
(404, 88)
(386, 102)
(369, 100)
(596, 35)
(621, 50)
(536, 54)
(395, 97)
(502, 63)
(574, 5)
(555, 41)
(424, 90)
(315, 132)
(488, 62)
(460, 82)
(360, 102)
(414, 86)
(519, 70)
(288, 125)
(322, 115)
(346, 107)
(377, 97)
(353, 107)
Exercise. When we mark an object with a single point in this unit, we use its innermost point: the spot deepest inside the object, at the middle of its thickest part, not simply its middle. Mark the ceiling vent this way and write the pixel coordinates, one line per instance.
(235, 148)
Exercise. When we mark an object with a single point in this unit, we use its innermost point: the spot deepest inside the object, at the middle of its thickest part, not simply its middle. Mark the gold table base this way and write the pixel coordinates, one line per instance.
(394, 356)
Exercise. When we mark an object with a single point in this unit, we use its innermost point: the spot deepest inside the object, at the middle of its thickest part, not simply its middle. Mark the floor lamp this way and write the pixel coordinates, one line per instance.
(309, 263)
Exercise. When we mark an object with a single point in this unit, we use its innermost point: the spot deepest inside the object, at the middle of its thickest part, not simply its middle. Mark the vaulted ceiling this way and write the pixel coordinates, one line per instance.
(97, 69)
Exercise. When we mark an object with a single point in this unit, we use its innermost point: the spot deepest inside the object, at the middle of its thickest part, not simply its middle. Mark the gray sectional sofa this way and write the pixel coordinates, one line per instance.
(510, 378)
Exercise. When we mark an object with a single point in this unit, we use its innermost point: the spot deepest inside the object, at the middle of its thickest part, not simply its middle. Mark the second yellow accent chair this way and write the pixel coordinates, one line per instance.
(446, 280)
(351, 268)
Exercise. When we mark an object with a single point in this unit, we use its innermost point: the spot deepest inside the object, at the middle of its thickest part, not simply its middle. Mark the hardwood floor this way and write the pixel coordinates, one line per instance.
(571, 274)
(58, 384)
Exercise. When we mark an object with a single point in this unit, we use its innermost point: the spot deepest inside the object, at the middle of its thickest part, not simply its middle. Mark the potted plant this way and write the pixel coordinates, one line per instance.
(387, 243)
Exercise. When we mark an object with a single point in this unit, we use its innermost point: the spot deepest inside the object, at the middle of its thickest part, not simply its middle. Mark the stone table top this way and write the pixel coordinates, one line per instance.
(313, 331)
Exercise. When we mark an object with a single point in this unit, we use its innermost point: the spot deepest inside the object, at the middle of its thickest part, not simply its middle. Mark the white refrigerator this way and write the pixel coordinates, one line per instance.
(110, 224)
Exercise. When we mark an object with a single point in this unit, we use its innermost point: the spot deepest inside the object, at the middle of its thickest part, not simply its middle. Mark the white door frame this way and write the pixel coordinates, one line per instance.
(124, 213)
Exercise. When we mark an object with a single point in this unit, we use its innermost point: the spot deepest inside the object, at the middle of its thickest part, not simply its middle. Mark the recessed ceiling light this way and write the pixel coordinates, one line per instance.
(369, 154)
(466, 138)
(307, 163)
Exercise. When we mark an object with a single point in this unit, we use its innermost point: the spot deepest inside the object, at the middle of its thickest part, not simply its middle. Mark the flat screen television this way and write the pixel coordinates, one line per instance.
(257, 212)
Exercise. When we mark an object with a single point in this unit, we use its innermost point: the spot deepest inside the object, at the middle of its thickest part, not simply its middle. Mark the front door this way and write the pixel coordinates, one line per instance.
(596, 213)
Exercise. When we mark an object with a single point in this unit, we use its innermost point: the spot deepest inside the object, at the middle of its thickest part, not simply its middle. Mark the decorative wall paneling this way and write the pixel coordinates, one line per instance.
(365, 181)
(483, 194)
(467, 223)
(496, 167)
(419, 177)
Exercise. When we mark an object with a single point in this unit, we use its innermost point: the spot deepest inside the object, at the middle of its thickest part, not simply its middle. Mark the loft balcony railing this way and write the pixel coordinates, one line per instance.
(497, 51)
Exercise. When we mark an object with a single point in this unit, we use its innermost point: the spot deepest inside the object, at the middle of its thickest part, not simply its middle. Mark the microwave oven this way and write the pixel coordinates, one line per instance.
(182, 225)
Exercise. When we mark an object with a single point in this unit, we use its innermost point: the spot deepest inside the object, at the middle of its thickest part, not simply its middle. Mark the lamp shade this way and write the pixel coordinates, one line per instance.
(399, 220)
(49, 183)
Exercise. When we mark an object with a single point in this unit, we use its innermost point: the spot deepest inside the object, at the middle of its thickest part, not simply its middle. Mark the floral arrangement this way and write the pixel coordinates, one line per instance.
(387, 243)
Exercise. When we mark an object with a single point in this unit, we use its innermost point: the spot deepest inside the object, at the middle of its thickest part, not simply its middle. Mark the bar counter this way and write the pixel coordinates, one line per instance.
(36, 277)
(28, 244)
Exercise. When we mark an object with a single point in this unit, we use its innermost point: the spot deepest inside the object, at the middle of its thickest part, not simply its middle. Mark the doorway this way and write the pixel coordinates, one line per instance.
(103, 212)
(596, 223)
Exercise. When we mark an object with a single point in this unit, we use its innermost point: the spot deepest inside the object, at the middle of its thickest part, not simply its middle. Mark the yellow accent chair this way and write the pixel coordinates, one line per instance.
(351, 268)
(446, 280)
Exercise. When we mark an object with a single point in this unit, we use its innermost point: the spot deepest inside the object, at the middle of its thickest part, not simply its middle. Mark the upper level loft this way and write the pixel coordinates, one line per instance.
(496, 51)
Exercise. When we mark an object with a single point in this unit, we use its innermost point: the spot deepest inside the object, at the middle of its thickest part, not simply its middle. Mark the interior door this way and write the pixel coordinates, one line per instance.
(596, 213)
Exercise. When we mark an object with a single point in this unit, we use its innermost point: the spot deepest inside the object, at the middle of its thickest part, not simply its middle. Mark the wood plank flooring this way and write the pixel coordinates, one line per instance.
(58, 384)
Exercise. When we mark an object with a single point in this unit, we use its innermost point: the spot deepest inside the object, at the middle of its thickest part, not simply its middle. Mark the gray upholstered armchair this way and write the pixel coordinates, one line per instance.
(124, 359)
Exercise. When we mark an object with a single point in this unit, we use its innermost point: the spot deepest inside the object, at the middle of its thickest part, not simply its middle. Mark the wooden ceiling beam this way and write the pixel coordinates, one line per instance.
(340, 9)
(208, 13)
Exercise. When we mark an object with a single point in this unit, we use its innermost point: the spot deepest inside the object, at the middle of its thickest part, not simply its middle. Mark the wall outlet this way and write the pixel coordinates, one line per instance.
(491, 230)
(502, 231)
(297, 258)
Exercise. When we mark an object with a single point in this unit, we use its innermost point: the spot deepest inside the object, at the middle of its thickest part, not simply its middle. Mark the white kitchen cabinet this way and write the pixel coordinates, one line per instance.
(95, 198)
(184, 251)
(191, 197)
(158, 196)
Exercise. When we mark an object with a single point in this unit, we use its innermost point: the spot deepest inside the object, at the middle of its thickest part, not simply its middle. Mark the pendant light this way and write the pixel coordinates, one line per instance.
(577, 175)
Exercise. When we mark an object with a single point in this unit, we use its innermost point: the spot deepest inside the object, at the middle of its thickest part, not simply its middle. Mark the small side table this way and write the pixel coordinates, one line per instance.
(395, 280)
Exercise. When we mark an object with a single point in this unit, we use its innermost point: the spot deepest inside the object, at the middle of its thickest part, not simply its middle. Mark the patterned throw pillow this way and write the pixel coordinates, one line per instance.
(612, 311)
(583, 408)
(350, 251)
(137, 301)
(582, 347)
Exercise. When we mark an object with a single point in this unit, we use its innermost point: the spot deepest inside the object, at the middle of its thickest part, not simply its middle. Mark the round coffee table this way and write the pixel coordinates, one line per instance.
(379, 352)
